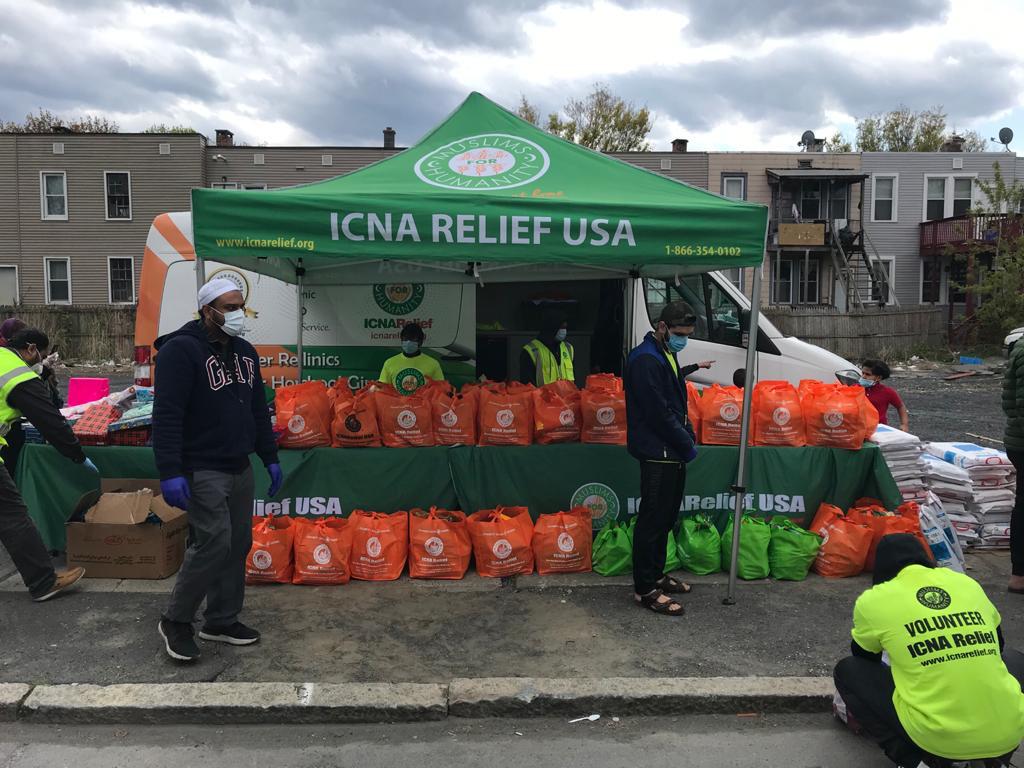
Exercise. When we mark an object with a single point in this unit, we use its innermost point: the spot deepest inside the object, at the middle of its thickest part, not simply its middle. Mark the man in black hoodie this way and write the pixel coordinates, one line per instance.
(950, 692)
(210, 413)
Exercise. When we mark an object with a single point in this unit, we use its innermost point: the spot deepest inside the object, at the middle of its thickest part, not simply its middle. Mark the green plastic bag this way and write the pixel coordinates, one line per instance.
(672, 561)
(755, 536)
(792, 550)
(613, 550)
(700, 545)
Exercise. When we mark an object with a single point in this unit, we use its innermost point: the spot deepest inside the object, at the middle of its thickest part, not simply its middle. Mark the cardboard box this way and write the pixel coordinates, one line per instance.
(117, 542)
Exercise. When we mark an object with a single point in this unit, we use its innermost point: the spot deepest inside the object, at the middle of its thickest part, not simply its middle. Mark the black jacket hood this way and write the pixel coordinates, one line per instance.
(895, 552)
(194, 328)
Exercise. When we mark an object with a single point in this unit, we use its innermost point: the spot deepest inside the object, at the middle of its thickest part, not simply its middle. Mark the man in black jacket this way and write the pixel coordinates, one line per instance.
(660, 437)
(210, 413)
(23, 393)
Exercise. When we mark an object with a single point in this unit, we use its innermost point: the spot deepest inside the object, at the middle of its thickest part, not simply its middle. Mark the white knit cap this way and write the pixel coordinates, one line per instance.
(214, 289)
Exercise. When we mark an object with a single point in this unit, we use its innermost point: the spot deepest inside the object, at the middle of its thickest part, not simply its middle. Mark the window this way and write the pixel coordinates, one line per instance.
(665, 164)
(882, 285)
(935, 202)
(963, 196)
(782, 282)
(224, 185)
(837, 201)
(734, 187)
(810, 200)
(58, 147)
(883, 198)
(931, 281)
(8, 285)
(809, 291)
(165, 148)
(718, 315)
(735, 276)
(58, 280)
(258, 158)
(326, 159)
(788, 286)
(254, 186)
(121, 274)
(53, 195)
(118, 187)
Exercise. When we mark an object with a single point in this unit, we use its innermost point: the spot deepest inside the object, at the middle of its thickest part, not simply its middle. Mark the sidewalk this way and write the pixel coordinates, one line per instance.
(433, 632)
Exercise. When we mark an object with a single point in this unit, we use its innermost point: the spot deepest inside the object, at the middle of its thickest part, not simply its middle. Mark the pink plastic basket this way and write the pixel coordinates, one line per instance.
(81, 390)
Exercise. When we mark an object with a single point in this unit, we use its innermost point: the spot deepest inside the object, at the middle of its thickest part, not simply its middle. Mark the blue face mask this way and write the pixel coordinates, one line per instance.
(410, 347)
(677, 343)
(561, 334)
(867, 382)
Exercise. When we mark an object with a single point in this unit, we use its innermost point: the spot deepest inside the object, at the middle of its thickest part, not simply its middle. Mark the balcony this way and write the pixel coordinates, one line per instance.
(958, 233)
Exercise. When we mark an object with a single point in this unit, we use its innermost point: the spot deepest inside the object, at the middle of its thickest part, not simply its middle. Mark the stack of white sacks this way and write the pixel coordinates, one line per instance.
(976, 488)
(902, 452)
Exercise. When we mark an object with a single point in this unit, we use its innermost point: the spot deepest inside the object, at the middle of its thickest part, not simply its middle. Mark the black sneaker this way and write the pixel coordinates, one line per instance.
(178, 640)
(235, 634)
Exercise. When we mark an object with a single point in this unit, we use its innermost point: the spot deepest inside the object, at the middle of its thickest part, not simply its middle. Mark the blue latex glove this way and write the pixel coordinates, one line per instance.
(276, 478)
(175, 492)
(89, 465)
(691, 455)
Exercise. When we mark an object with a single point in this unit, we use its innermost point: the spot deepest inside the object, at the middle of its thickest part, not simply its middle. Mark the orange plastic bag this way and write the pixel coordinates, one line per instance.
(270, 559)
(836, 416)
(506, 414)
(844, 549)
(405, 421)
(322, 550)
(304, 414)
(778, 415)
(454, 417)
(603, 407)
(380, 545)
(502, 541)
(355, 419)
(721, 415)
(439, 544)
(562, 541)
(556, 414)
(823, 518)
(693, 394)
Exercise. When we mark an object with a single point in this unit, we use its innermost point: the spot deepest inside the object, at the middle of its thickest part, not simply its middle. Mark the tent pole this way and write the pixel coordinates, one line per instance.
(300, 272)
(200, 272)
(740, 488)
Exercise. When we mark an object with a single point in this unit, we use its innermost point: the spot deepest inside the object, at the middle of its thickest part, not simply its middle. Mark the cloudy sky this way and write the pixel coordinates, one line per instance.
(727, 74)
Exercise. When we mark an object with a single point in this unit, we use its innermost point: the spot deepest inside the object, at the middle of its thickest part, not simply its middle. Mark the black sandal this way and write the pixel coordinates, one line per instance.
(672, 586)
(667, 608)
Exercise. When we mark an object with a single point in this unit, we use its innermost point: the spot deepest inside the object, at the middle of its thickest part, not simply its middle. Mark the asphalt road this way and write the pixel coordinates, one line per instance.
(947, 411)
(795, 741)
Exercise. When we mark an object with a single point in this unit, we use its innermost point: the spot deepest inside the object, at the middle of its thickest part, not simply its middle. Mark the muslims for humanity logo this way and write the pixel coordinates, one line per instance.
(602, 501)
(399, 298)
(935, 598)
(485, 161)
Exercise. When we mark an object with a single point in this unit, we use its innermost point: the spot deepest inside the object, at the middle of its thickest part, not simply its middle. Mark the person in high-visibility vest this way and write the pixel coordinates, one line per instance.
(549, 357)
(22, 392)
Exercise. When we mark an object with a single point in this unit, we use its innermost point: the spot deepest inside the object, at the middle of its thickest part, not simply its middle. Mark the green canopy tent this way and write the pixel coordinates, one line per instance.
(485, 196)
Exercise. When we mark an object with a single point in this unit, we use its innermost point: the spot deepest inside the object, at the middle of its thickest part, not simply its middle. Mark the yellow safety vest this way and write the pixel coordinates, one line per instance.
(13, 372)
(548, 369)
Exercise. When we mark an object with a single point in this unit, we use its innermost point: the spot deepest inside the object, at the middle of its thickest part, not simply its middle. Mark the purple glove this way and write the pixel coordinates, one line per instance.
(691, 455)
(276, 478)
(175, 492)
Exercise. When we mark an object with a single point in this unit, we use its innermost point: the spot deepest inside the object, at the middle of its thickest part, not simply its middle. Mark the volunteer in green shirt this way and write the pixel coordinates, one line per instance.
(410, 370)
(951, 692)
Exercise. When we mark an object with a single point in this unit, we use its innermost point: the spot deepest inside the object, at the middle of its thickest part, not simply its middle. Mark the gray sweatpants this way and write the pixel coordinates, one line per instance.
(219, 539)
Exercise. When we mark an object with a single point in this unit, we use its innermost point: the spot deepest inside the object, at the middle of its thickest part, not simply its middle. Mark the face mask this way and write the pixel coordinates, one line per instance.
(677, 343)
(561, 334)
(410, 347)
(234, 321)
(867, 382)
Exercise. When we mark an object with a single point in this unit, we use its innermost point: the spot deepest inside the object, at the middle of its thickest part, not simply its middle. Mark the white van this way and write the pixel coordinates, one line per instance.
(475, 330)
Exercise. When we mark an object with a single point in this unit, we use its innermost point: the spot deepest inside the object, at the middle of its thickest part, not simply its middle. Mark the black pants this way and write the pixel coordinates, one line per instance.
(1017, 518)
(867, 687)
(21, 539)
(661, 494)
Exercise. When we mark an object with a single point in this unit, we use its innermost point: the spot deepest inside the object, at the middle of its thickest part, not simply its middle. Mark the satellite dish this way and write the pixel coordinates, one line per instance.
(1005, 137)
(807, 138)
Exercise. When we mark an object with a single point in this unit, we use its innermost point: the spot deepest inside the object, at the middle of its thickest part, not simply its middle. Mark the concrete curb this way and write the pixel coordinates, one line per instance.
(305, 703)
(236, 703)
(503, 697)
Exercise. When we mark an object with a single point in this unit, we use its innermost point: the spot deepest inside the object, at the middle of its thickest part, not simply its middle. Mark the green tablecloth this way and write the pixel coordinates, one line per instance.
(545, 478)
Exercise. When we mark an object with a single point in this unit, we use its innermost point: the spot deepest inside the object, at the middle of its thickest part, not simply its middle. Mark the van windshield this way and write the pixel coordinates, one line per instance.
(718, 314)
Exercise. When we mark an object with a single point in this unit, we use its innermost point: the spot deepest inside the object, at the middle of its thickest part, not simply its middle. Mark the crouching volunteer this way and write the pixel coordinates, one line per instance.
(951, 693)
(660, 437)
(409, 370)
(209, 415)
(22, 392)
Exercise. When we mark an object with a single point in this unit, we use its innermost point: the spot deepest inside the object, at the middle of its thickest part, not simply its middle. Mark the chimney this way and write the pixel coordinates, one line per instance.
(679, 145)
(389, 138)
(225, 138)
(953, 144)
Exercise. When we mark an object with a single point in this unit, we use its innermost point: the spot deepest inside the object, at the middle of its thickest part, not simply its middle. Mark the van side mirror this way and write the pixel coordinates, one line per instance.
(745, 319)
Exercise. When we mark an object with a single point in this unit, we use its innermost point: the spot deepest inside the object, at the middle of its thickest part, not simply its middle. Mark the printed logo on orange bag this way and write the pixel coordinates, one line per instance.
(322, 554)
(781, 416)
(729, 412)
(833, 419)
(449, 419)
(353, 424)
(262, 559)
(567, 417)
(605, 416)
(502, 549)
(407, 419)
(434, 546)
(296, 424)
(505, 418)
(373, 547)
(566, 543)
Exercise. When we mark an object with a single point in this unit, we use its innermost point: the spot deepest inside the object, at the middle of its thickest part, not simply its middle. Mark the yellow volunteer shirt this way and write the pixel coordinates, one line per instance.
(407, 374)
(672, 361)
(953, 696)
